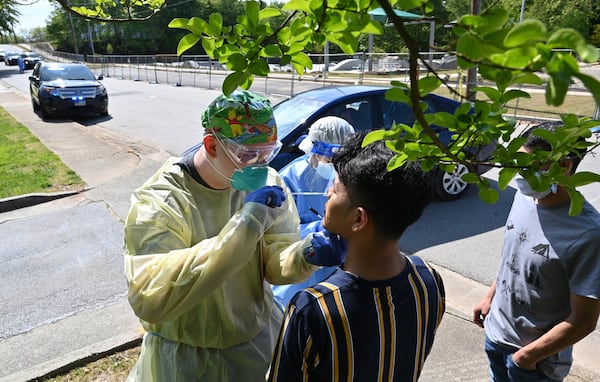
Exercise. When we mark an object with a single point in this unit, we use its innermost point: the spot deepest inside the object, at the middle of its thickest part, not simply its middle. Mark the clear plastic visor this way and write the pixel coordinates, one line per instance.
(245, 155)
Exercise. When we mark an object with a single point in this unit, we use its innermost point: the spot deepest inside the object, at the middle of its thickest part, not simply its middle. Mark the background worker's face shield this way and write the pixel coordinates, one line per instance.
(325, 149)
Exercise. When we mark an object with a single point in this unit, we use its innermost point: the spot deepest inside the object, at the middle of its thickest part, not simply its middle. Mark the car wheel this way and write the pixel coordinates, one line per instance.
(450, 186)
(104, 113)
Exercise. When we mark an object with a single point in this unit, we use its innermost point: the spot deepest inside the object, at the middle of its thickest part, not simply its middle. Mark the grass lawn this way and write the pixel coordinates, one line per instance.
(27, 166)
(112, 368)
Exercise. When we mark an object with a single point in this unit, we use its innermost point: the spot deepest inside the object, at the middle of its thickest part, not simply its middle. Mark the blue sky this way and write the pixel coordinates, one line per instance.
(34, 15)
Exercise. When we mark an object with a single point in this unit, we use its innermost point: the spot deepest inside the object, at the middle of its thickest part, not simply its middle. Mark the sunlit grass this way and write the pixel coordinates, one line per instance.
(27, 166)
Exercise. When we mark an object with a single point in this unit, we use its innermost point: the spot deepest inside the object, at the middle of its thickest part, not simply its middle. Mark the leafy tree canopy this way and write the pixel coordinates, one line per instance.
(506, 53)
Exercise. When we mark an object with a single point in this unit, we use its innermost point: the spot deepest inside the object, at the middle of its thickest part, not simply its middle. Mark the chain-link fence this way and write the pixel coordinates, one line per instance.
(332, 69)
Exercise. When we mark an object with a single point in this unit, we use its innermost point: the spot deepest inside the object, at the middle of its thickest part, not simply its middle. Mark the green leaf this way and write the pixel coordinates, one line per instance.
(186, 42)
(505, 176)
(303, 60)
(373, 136)
(397, 94)
(470, 177)
(526, 32)
(247, 83)
(592, 84)
(297, 5)
(513, 94)
(407, 5)
(266, 13)
(547, 135)
(397, 161)
(576, 202)
(197, 26)
(488, 195)
(428, 84)
(470, 46)
(259, 67)
(232, 81)
(179, 22)
(491, 93)
(585, 177)
(519, 58)
(215, 24)
(272, 50)
(556, 90)
(565, 38)
(527, 78)
(474, 21)
(495, 18)
(372, 27)
(250, 19)
(237, 62)
(588, 53)
(209, 47)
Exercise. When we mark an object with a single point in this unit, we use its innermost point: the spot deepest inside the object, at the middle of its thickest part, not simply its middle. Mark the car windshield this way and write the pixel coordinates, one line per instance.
(292, 112)
(67, 73)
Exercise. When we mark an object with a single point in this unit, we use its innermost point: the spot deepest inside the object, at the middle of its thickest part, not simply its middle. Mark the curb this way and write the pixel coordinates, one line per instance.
(28, 200)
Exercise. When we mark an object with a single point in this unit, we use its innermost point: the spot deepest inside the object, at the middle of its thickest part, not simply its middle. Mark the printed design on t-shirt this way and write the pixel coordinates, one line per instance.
(523, 236)
(542, 250)
(509, 225)
(513, 263)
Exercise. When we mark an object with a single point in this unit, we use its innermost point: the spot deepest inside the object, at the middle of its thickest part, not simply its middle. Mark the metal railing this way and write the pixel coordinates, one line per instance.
(333, 69)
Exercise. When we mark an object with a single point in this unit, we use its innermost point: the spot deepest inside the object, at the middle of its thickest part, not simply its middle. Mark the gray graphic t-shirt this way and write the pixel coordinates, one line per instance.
(547, 255)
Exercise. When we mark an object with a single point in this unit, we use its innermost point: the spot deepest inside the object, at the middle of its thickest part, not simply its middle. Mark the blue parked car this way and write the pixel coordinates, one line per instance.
(365, 108)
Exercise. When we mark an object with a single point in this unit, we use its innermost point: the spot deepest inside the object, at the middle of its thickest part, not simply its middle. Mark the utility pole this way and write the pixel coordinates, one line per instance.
(75, 49)
(472, 73)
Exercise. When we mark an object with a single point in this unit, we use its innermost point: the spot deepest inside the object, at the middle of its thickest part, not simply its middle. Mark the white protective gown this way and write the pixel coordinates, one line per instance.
(197, 262)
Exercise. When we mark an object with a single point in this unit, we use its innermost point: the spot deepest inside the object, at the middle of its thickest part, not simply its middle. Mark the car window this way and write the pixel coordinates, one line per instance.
(358, 112)
(400, 112)
(66, 73)
(292, 112)
(396, 112)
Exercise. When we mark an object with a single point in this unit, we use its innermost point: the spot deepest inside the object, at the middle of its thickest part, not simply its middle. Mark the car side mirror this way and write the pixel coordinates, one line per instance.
(100, 77)
(32, 78)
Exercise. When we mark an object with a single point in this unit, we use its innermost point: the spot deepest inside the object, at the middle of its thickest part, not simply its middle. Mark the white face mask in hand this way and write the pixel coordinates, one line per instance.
(526, 189)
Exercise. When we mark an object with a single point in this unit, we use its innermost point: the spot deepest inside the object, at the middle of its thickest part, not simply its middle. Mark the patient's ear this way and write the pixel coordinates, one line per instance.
(361, 219)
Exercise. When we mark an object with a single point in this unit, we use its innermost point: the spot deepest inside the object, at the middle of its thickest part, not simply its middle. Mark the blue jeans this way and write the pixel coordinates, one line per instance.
(503, 368)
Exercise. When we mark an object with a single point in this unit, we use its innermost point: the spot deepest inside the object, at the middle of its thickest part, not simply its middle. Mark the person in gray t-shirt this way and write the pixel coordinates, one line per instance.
(547, 293)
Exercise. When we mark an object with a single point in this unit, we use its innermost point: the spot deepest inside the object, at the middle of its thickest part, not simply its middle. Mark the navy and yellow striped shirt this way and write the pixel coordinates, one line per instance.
(350, 329)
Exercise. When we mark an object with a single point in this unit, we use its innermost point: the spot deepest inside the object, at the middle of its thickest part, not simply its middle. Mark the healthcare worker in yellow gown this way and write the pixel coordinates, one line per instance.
(203, 238)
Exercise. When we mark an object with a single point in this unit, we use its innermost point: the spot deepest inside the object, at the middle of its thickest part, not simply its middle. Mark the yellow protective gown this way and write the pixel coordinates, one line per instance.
(197, 262)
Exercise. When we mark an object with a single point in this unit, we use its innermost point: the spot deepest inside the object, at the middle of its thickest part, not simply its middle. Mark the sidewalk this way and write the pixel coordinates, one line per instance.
(112, 167)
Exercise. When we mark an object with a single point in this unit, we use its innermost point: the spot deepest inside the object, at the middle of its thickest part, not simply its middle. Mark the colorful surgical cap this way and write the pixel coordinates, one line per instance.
(244, 117)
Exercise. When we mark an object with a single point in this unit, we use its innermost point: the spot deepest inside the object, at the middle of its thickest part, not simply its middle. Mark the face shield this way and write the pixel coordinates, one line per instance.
(247, 155)
(324, 148)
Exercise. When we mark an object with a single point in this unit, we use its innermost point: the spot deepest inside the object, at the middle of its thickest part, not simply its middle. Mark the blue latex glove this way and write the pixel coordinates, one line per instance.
(271, 196)
(314, 226)
(308, 218)
(326, 249)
